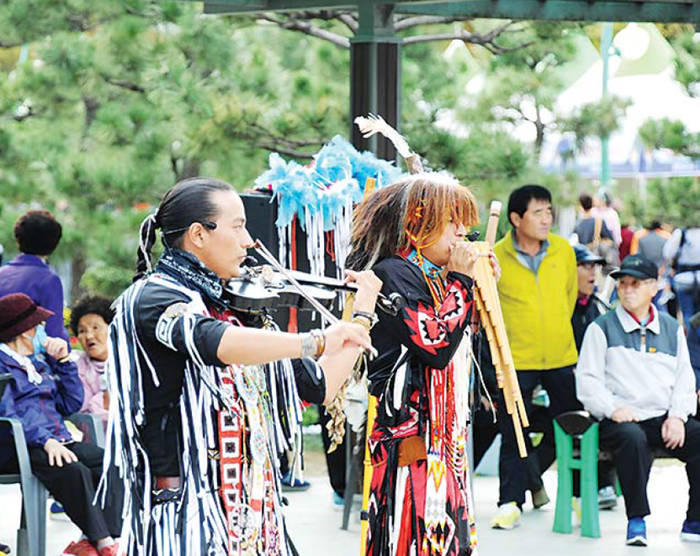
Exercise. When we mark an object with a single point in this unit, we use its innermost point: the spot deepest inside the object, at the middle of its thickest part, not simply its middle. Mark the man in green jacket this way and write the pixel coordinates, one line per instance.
(538, 290)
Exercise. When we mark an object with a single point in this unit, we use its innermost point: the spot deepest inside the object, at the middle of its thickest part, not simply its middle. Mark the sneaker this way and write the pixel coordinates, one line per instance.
(295, 485)
(636, 532)
(57, 513)
(540, 498)
(507, 517)
(576, 507)
(690, 531)
(111, 550)
(607, 498)
(338, 500)
(80, 548)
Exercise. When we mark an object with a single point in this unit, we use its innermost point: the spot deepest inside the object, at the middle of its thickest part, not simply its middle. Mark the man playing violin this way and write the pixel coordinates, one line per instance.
(205, 404)
(412, 234)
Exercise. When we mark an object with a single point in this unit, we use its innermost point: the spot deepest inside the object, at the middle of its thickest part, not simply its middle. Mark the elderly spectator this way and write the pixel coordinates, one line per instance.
(37, 234)
(538, 290)
(682, 251)
(634, 374)
(89, 321)
(588, 305)
(45, 387)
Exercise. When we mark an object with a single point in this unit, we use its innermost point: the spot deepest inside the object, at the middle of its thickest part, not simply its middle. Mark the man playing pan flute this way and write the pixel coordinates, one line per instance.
(412, 234)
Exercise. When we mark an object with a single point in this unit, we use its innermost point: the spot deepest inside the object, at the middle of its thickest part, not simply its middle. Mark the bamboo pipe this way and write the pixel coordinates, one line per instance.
(489, 308)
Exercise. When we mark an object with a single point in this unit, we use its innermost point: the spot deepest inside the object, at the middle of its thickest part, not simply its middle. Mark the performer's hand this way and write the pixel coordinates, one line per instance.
(624, 415)
(462, 258)
(495, 265)
(56, 347)
(673, 433)
(58, 453)
(368, 288)
(346, 334)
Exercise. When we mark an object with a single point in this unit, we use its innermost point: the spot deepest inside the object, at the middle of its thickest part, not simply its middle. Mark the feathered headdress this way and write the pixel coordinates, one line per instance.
(376, 124)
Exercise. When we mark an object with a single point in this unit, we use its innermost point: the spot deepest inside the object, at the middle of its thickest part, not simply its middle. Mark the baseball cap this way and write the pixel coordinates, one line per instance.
(638, 267)
(585, 255)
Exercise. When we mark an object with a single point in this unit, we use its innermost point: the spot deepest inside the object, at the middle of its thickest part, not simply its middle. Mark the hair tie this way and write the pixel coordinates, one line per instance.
(147, 226)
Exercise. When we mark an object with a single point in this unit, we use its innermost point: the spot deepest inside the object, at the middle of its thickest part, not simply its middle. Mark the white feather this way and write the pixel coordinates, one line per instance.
(375, 124)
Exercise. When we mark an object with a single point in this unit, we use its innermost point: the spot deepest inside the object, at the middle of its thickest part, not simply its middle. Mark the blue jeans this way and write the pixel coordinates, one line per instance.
(689, 303)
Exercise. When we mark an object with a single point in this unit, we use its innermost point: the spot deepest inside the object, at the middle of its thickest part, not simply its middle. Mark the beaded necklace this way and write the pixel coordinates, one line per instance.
(432, 274)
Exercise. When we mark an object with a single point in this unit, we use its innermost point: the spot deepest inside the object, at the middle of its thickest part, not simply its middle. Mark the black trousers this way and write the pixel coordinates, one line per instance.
(514, 472)
(336, 460)
(632, 444)
(73, 485)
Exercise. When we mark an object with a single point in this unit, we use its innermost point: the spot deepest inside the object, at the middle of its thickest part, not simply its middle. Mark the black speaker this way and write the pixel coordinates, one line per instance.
(261, 216)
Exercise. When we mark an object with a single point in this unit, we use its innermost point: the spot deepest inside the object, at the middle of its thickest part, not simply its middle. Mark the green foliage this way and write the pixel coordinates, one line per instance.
(675, 201)
(673, 134)
(118, 101)
(523, 84)
(687, 48)
(670, 134)
(595, 119)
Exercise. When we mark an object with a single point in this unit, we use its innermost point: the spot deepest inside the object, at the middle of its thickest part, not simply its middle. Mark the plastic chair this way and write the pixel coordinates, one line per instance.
(31, 536)
(568, 426)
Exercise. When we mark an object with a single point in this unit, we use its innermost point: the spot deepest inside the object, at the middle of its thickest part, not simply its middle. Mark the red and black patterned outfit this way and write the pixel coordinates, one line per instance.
(420, 502)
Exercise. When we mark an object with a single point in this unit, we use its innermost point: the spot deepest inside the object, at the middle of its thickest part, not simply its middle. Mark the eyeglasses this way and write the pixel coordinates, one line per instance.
(636, 284)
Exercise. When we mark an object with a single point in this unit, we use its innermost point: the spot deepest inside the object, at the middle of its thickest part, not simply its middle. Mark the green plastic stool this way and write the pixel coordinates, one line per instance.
(567, 426)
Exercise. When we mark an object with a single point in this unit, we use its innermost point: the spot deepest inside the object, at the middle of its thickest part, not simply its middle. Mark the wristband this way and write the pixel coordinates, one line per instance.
(320, 340)
(371, 318)
(313, 344)
(362, 321)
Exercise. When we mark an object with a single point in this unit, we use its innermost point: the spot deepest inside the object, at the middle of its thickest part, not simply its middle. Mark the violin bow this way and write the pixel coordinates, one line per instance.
(274, 263)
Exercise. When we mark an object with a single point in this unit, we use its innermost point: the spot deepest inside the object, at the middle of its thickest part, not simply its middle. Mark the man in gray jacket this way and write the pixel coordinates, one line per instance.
(634, 374)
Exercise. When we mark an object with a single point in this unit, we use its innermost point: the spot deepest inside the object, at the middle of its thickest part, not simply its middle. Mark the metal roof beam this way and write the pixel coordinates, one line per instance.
(678, 11)
(656, 11)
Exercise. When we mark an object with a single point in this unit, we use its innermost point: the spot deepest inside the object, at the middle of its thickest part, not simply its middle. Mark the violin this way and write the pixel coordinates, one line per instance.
(262, 287)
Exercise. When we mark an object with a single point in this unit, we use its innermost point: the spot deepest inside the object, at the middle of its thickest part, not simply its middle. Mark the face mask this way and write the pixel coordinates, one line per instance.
(38, 340)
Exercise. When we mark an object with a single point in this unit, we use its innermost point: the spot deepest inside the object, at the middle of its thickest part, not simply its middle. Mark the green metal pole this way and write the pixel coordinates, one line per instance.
(605, 48)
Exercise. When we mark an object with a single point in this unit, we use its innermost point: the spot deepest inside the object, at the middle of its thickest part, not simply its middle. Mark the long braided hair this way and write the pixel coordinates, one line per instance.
(187, 202)
(412, 212)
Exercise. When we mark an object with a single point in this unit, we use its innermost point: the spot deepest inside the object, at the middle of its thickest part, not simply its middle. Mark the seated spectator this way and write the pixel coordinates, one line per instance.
(37, 234)
(634, 374)
(45, 387)
(89, 321)
(694, 350)
(588, 305)
(588, 308)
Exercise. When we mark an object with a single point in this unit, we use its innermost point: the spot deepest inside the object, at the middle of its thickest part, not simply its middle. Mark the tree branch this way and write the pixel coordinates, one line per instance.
(486, 40)
(414, 21)
(128, 85)
(309, 29)
(285, 151)
(349, 21)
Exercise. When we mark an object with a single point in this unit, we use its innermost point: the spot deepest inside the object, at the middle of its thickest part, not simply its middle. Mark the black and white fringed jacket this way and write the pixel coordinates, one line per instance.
(172, 402)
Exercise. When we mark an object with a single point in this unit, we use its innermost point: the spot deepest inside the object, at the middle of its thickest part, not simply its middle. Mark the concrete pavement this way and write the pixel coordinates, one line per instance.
(314, 522)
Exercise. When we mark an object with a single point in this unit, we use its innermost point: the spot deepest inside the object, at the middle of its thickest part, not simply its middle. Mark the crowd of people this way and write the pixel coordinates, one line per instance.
(619, 353)
(200, 401)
